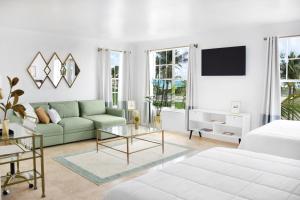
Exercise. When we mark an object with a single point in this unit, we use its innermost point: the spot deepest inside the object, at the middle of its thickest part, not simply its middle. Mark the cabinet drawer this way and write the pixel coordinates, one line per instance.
(234, 120)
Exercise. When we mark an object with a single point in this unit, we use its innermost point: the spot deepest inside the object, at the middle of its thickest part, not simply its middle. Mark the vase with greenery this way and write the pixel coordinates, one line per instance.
(11, 103)
(158, 104)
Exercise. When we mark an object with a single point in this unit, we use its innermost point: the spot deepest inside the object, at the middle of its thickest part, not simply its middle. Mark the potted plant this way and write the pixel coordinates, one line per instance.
(158, 104)
(11, 104)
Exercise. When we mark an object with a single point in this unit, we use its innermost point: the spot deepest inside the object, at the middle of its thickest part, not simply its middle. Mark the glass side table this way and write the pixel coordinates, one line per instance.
(23, 142)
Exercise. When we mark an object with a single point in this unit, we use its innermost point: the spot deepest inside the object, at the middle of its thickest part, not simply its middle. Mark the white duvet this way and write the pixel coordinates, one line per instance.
(217, 174)
(281, 137)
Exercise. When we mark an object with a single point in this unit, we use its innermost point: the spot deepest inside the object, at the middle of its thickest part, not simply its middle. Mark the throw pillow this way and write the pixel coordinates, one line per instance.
(31, 113)
(42, 115)
(54, 116)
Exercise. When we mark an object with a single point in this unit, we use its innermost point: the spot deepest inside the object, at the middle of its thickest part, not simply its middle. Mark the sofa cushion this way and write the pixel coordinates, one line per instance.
(66, 108)
(92, 107)
(76, 124)
(49, 129)
(40, 104)
(102, 121)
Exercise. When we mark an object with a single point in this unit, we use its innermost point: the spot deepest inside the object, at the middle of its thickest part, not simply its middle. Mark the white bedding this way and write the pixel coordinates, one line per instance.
(280, 138)
(217, 174)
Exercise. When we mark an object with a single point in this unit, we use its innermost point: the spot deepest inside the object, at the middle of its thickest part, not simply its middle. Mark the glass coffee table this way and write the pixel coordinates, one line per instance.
(128, 133)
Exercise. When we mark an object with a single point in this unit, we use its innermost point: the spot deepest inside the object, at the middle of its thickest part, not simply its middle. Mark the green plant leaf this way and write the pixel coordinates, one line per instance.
(17, 92)
(9, 80)
(16, 99)
(14, 81)
(8, 106)
(20, 109)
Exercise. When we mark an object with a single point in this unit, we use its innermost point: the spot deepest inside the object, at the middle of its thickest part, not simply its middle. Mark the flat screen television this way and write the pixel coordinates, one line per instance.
(229, 61)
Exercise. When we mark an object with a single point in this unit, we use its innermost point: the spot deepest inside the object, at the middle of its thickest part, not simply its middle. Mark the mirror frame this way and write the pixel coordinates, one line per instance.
(64, 76)
(46, 64)
(54, 54)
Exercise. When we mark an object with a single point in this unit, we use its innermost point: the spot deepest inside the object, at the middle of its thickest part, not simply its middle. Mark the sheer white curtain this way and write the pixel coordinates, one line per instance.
(191, 81)
(146, 113)
(272, 93)
(105, 83)
(126, 84)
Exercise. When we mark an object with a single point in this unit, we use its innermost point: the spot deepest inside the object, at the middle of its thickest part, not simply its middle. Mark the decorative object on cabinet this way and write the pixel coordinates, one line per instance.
(136, 119)
(219, 125)
(70, 70)
(130, 108)
(37, 70)
(235, 107)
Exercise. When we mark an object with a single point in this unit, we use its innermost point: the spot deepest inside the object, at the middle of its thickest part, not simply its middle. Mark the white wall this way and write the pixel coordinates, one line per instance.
(218, 92)
(18, 48)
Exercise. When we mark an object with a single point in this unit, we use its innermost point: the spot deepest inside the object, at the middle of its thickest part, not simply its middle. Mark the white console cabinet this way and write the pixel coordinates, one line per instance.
(220, 125)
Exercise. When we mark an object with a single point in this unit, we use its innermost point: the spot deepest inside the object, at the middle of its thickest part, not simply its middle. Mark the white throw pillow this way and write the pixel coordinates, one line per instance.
(54, 116)
(30, 112)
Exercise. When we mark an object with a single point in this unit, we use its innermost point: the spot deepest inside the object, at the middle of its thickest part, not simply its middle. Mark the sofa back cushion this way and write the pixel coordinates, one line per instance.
(66, 108)
(44, 105)
(92, 107)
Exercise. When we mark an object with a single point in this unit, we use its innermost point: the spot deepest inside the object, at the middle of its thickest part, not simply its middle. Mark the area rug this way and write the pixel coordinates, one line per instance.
(108, 165)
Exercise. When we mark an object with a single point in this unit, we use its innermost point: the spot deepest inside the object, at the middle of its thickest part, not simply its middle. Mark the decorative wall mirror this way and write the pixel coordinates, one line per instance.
(70, 70)
(37, 71)
(54, 70)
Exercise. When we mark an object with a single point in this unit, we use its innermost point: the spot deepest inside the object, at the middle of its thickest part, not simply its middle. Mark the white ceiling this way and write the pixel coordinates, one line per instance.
(136, 20)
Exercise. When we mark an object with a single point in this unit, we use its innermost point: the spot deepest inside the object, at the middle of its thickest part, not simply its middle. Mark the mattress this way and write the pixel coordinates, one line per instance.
(281, 137)
(217, 174)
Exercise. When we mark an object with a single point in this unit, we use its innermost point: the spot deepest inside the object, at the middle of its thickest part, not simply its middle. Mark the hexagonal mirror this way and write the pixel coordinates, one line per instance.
(37, 70)
(55, 70)
(70, 70)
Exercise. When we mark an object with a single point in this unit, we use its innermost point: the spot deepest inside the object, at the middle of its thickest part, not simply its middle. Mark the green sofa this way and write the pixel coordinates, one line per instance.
(80, 119)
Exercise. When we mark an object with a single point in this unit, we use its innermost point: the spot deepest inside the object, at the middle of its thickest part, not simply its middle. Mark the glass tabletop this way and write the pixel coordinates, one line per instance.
(129, 130)
(19, 132)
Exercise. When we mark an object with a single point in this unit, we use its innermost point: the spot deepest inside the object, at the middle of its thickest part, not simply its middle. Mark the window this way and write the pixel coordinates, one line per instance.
(116, 62)
(170, 77)
(290, 77)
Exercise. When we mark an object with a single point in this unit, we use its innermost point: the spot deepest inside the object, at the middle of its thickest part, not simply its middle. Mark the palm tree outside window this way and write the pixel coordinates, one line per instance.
(170, 77)
(290, 77)
(116, 62)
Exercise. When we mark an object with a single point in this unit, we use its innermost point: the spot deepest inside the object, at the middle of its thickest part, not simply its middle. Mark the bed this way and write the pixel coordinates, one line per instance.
(281, 137)
(217, 174)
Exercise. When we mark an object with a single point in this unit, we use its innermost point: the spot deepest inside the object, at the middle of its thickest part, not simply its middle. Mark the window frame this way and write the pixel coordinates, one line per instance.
(285, 59)
(115, 80)
(173, 79)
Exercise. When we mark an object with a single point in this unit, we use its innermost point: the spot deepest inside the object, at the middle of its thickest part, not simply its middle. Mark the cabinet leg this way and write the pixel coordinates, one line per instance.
(191, 133)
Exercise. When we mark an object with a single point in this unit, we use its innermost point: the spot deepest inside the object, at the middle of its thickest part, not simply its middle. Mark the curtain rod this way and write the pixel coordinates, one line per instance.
(105, 49)
(285, 36)
(195, 45)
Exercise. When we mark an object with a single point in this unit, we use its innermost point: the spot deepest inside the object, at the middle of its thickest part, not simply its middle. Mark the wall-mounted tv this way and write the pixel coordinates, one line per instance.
(229, 61)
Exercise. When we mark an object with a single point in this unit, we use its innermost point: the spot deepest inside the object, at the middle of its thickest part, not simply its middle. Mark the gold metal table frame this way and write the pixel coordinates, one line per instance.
(28, 153)
(100, 142)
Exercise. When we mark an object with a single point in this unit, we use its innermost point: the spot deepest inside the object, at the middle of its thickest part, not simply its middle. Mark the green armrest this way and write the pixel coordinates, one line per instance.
(115, 112)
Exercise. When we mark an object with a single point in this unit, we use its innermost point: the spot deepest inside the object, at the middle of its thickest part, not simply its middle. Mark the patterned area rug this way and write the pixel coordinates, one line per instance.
(108, 164)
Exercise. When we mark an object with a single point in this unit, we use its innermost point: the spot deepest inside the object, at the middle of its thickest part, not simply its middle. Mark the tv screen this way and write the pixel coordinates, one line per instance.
(230, 61)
